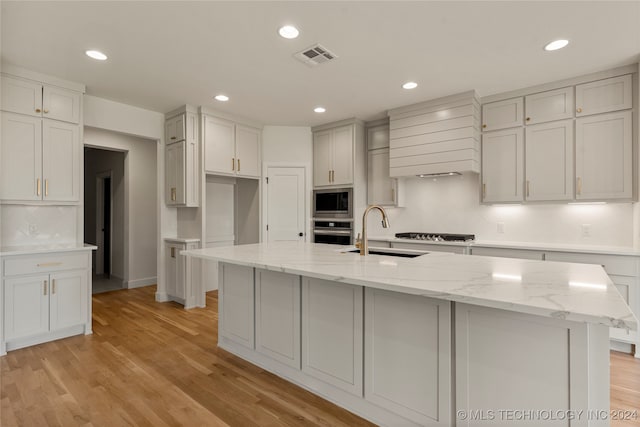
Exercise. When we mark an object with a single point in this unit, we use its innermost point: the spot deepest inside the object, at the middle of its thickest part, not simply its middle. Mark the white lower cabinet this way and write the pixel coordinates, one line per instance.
(236, 304)
(278, 316)
(407, 355)
(179, 271)
(332, 333)
(46, 297)
(508, 253)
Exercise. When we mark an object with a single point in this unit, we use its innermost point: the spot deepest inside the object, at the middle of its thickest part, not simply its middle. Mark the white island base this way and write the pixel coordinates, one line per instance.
(398, 359)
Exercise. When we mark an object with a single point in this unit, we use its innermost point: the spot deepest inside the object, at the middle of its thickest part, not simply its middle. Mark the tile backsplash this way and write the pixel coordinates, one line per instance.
(37, 225)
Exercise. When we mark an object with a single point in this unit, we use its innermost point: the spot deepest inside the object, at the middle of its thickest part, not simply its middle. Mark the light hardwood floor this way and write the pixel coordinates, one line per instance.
(152, 364)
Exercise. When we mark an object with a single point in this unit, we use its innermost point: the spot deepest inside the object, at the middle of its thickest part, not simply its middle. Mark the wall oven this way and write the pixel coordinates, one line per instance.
(334, 231)
(333, 203)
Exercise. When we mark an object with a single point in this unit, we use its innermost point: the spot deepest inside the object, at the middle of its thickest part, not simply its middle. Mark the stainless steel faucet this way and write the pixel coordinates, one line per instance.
(364, 245)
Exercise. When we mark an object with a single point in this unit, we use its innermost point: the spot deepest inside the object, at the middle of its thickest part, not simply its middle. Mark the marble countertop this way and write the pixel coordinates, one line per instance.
(577, 292)
(44, 249)
(181, 240)
(556, 247)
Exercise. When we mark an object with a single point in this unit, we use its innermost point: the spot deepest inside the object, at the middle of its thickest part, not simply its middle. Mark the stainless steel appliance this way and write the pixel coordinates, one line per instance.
(437, 237)
(337, 231)
(333, 203)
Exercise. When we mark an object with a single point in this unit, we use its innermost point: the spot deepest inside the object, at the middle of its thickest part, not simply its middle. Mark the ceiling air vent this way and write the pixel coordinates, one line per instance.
(315, 55)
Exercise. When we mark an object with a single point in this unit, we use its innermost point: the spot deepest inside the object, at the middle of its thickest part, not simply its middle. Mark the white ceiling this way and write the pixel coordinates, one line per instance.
(165, 54)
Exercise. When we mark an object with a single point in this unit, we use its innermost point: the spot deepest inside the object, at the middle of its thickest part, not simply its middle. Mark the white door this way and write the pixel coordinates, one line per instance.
(549, 161)
(175, 173)
(175, 129)
(26, 306)
(219, 146)
(604, 157)
(237, 322)
(502, 166)
(21, 96)
(60, 161)
(21, 157)
(68, 299)
(548, 106)
(603, 96)
(285, 204)
(502, 114)
(247, 151)
(342, 156)
(61, 104)
(322, 158)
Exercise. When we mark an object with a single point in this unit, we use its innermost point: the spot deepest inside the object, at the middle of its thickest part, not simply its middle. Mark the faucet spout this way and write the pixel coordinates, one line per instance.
(364, 247)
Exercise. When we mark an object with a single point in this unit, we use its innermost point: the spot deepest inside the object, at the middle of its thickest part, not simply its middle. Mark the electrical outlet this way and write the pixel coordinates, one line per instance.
(586, 230)
(33, 228)
(501, 227)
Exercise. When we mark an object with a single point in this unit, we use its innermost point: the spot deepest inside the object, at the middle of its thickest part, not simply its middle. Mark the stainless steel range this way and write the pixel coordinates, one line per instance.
(437, 237)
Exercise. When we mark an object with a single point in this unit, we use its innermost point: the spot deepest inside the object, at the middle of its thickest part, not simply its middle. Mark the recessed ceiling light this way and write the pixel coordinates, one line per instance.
(223, 98)
(288, 32)
(556, 44)
(319, 109)
(96, 54)
(410, 85)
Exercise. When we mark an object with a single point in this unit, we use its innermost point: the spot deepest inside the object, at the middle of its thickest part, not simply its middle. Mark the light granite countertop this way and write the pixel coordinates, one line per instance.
(577, 292)
(44, 249)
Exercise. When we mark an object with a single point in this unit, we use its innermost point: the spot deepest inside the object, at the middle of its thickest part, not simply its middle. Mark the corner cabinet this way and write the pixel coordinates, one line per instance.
(333, 156)
(41, 143)
(46, 297)
(181, 161)
(231, 148)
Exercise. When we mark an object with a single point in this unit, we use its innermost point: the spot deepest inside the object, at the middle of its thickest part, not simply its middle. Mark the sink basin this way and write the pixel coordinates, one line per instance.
(391, 253)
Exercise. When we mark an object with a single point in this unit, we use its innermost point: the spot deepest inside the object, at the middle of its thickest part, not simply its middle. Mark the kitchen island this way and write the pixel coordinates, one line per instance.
(439, 339)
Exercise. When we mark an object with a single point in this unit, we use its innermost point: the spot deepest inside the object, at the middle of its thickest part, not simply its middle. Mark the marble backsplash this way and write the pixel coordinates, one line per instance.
(22, 225)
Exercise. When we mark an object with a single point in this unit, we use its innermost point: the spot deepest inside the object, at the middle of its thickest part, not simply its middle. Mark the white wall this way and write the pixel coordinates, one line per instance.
(451, 205)
(140, 185)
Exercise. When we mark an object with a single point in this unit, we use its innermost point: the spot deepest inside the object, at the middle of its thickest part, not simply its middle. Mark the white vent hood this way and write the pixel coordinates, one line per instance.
(440, 137)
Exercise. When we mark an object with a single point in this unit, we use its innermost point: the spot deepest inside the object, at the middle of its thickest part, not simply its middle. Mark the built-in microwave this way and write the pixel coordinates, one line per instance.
(333, 203)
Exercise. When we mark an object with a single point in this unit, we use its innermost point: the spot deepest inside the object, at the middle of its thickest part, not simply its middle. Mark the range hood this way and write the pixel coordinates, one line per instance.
(435, 138)
(435, 175)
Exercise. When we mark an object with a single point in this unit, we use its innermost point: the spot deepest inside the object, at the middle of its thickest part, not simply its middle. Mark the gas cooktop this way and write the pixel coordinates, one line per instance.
(437, 237)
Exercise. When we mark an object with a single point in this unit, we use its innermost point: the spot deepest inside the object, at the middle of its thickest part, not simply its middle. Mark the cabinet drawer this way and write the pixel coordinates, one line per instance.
(419, 246)
(45, 263)
(619, 265)
(507, 253)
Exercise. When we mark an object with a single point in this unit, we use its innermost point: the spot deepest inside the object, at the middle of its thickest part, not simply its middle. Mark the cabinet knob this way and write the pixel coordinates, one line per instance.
(528, 118)
(38, 110)
(173, 137)
(46, 111)
(579, 110)
(484, 126)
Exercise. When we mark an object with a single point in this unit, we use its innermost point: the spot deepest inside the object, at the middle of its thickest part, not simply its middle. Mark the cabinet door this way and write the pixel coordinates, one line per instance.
(378, 137)
(548, 106)
(507, 253)
(342, 156)
(175, 173)
(236, 304)
(381, 188)
(21, 96)
(628, 288)
(408, 355)
(68, 301)
(332, 333)
(603, 96)
(604, 157)
(549, 161)
(247, 151)
(181, 271)
(60, 161)
(21, 157)
(26, 306)
(278, 316)
(502, 166)
(171, 268)
(192, 174)
(219, 146)
(61, 104)
(322, 158)
(502, 114)
(175, 129)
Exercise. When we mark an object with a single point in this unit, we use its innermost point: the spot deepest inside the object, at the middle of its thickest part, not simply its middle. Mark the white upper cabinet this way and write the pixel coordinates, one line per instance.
(231, 149)
(60, 161)
(604, 157)
(21, 158)
(35, 99)
(502, 166)
(549, 106)
(182, 168)
(333, 156)
(502, 114)
(381, 188)
(603, 96)
(549, 161)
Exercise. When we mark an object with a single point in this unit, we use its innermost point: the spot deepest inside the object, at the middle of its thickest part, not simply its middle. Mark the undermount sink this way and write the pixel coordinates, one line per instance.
(390, 253)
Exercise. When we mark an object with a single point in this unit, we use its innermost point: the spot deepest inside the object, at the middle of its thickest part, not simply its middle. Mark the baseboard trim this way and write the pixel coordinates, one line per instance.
(139, 283)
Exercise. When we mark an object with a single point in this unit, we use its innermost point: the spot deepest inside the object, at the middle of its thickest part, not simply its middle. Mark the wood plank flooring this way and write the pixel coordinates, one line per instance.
(152, 364)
